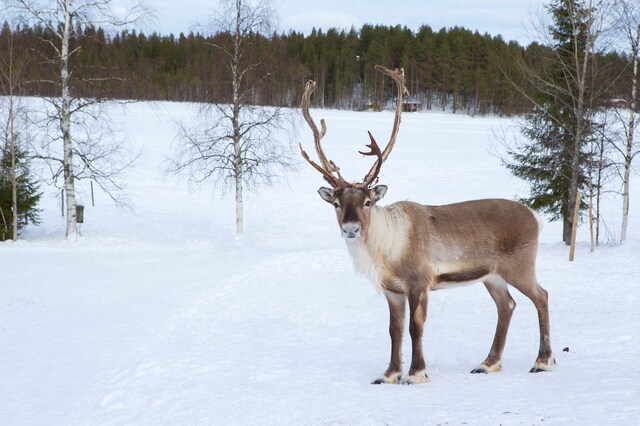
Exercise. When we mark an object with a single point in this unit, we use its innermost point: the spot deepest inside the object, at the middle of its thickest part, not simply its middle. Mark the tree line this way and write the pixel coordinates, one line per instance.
(561, 86)
(454, 68)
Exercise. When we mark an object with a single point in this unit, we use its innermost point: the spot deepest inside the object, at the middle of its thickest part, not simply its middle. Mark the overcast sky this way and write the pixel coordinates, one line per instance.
(503, 17)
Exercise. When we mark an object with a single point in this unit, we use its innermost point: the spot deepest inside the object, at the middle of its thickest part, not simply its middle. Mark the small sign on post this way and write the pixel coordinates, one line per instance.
(574, 228)
(79, 213)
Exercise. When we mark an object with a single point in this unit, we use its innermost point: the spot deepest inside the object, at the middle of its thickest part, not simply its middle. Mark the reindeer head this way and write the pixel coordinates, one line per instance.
(352, 200)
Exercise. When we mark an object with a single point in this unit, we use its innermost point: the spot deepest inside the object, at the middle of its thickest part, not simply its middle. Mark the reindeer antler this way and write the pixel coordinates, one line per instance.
(374, 150)
(329, 169)
(398, 77)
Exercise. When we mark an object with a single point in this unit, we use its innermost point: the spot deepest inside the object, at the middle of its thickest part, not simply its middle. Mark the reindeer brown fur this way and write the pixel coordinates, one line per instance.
(408, 249)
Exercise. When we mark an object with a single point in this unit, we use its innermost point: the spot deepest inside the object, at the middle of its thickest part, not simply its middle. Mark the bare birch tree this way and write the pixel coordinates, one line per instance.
(235, 145)
(627, 18)
(601, 170)
(61, 18)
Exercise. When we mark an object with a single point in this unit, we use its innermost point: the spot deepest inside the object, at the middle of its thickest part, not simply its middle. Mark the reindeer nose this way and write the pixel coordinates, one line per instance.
(351, 230)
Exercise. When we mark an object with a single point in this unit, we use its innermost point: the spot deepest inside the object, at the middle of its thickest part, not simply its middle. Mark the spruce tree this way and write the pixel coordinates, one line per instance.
(553, 159)
(544, 161)
(28, 194)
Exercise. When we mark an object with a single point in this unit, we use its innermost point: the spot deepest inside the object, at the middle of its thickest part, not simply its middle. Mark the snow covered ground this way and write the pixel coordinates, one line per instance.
(161, 315)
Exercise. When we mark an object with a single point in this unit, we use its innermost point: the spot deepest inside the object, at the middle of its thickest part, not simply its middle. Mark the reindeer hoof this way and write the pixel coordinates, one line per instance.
(392, 379)
(486, 369)
(415, 378)
(541, 366)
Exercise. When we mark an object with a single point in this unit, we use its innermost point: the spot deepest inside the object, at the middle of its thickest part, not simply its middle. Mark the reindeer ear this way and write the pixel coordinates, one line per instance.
(326, 194)
(377, 192)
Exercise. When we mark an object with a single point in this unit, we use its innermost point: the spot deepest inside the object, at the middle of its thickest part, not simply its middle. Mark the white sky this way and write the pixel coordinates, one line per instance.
(505, 17)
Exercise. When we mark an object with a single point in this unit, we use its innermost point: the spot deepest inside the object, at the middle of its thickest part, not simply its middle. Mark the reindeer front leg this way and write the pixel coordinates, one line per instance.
(417, 316)
(397, 304)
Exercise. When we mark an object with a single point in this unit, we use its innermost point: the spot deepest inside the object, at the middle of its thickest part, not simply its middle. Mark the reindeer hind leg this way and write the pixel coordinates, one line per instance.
(528, 285)
(505, 304)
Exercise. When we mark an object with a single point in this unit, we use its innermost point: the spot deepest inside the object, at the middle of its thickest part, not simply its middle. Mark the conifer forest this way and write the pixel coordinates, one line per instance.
(457, 69)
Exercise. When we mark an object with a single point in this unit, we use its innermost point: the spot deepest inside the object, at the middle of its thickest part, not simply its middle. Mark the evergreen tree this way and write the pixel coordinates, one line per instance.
(559, 128)
(28, 194)
(543, 162)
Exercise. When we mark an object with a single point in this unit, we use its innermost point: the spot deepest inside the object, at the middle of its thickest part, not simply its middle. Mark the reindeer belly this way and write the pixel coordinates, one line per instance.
(455, 275)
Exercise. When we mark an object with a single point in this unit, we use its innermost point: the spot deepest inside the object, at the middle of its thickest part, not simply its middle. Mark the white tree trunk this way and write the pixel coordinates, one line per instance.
(14, 183)
(629, 152)
(65, 123)
(236, 76)
(239, 205)
(599, 191)
(581, 59)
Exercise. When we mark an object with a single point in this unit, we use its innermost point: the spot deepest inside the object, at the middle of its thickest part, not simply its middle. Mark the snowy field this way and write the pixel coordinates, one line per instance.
(160, 315)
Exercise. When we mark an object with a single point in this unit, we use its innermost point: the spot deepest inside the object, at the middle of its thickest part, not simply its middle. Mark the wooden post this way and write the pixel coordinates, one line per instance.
(79, 213)
(6, 228)
(62, 201)
(574, 229)
(93, 204)
(593, 242)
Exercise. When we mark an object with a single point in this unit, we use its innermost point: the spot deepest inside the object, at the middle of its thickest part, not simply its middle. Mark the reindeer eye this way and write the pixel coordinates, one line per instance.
(336, 205)
(367, 203)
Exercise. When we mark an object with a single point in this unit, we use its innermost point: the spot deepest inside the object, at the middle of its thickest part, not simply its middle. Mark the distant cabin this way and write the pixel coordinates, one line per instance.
(411, 105)
(619, 104)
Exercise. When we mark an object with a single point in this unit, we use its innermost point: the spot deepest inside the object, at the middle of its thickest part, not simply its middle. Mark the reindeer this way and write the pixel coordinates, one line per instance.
(407, 249)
